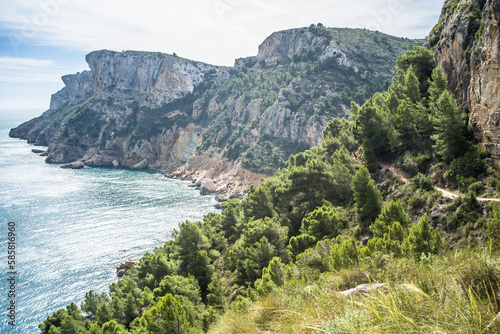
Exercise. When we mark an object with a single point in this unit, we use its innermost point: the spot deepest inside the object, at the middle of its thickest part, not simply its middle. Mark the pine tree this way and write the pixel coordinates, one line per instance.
(215, 297)
(366, 196)
(104, 313)
(412, 86)
(391, 212)
(172, 314)
(449, 125)
(438, 84)
(369, 133)
(422, 240)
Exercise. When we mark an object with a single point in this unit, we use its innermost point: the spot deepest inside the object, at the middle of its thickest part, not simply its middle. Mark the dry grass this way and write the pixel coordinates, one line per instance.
(454, 293)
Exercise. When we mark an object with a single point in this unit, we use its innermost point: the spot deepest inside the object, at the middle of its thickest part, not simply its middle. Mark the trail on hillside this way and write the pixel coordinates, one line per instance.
(445, 193)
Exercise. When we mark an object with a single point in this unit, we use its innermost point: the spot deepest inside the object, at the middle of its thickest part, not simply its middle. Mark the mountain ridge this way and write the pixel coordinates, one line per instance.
(151, 110)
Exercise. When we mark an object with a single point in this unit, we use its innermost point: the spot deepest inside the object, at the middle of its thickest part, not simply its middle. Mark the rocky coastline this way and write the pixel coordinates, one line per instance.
(144, 110)
(208, 172)
(213, 175)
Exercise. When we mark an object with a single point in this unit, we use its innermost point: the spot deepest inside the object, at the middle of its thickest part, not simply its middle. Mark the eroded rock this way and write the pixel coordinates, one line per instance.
(74, 165)
(127, 265)
(364, 289)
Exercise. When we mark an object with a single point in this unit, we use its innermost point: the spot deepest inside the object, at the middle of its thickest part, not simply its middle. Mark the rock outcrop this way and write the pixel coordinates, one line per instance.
(151, 79)
(283, 45)
(127, 265)
(74, 165)
(214, 175)
(467, 44)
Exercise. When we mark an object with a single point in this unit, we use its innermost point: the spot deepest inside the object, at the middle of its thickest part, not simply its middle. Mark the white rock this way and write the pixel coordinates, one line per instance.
(207, 186)
(141, 165)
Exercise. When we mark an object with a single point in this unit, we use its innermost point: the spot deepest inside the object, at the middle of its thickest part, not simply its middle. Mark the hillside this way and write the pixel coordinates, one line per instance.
(466, 44)
(146, 110)
(334, 242)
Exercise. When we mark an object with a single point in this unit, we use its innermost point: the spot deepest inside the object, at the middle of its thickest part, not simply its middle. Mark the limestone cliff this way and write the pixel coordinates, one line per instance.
(279, 102)
(150, 79)
(149, 110)
(94, 117)
(467, 42)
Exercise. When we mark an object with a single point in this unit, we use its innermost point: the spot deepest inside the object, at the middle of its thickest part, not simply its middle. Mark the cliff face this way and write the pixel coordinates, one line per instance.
(278, 102)
(284, 45)
(93, 118)
(467, 44)
(151, 110)
(150, 79)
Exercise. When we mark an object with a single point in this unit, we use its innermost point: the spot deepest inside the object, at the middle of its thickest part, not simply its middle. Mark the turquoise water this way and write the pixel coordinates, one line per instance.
(73, 227)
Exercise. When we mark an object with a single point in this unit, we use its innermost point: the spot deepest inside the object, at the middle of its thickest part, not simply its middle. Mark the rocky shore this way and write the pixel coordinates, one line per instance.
(214, 175)
(208, 172)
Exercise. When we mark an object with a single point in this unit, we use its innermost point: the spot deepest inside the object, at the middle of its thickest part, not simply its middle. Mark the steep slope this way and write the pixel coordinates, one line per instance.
(279, 102)
(466, 43)
(290, 256)
(96, 117)
(151, 110)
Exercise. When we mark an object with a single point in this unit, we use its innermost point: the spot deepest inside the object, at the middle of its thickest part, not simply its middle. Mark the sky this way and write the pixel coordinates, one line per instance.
(42, 40)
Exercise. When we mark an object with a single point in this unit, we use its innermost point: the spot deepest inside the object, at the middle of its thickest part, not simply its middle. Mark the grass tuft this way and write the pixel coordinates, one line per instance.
(452, 293)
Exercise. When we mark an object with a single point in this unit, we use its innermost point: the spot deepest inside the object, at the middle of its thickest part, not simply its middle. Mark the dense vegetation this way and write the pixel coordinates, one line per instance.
(272, 262)
(307, 85)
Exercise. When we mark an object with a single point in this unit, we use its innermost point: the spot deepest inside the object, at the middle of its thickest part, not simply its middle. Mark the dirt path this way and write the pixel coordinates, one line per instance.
(446, 193)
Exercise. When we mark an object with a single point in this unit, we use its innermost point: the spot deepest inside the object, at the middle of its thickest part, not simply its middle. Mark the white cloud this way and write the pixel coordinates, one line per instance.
(216, 31)
(26, 70)
(213, 31)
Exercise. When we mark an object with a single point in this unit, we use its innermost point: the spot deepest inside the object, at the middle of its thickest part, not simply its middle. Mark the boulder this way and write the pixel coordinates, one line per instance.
(98, 160)
(364, 289)
(365, 240)
(207, 187)
(74, 165)
(115, 163)
(204, 175)
(222, 188)
(437, 211)
(141, 165)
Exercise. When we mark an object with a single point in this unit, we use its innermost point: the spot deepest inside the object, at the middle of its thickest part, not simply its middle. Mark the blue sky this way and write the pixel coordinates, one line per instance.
(42, 40)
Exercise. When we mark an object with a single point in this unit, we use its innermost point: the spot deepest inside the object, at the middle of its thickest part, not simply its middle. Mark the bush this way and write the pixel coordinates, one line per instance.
(422, 182)
(423, 162)
(409, 164)
(344, 255)
(494, 228)
(324, 221)
(476, 187)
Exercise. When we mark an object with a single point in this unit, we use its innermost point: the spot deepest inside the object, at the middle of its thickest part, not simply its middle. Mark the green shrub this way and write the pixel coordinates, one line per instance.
(422, 182)
(409, 164)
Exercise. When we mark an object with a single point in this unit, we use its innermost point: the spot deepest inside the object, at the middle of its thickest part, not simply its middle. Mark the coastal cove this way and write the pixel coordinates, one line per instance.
(75, 226)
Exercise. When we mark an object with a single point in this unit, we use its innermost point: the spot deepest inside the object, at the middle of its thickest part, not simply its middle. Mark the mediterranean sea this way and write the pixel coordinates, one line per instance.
(73, 227)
